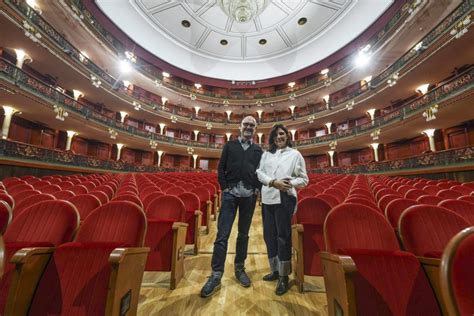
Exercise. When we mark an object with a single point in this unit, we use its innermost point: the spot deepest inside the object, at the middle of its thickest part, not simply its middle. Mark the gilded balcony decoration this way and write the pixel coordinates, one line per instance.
(450, 157)
(36, 21)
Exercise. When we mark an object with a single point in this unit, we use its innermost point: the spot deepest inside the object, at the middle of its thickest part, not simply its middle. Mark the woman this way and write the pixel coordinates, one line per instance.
(282, 169)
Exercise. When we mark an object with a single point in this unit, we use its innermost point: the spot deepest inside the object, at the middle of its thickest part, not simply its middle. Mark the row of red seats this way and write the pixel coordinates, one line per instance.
(346, 220)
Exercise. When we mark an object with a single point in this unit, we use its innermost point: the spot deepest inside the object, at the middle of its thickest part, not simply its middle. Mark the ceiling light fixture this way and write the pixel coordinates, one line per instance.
(125, 66)
(243, 11)
(363, 56)
(165, 74)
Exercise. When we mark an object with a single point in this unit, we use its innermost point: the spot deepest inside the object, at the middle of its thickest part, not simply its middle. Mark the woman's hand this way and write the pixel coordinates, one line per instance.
(282, 185)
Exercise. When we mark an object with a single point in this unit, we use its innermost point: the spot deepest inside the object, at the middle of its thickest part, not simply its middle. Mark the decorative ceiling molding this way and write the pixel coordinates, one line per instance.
(273, 44)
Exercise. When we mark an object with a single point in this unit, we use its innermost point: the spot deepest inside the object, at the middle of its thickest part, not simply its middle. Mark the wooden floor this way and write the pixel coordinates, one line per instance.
(231, 299)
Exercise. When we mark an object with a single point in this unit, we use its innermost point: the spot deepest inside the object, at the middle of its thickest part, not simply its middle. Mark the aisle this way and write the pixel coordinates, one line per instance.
(231, 299)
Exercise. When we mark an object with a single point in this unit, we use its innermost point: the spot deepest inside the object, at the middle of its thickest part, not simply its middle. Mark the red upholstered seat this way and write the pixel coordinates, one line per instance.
(363, 201)
(191, 204)
(383, 202)
(337, 193)
(174, 191)
(306, 193)
(387, 281)
(414, 194)
(7, 198)
(404, 189)
(19, 188)
(328, 198)
(85, 204)
(204, 196)
(20, 196)
(148, 190)
(45, 224)
(40, 184)
(150, 197)
(129, 197)
(448, 194)
(311, 214)
(188, 187)
(107, 189)
(5, 216)
(463, 189)
(63, 195)
(429, 199)
(395, 208)
(76, 280)
(103, 198)
(78, 189)
(462, 208)
(162, 213)
(318, 188)
(467, 198)
(432, 189)
(50, 189)
(31, 200)
(384, 192)
(426, 229)
(457, 279)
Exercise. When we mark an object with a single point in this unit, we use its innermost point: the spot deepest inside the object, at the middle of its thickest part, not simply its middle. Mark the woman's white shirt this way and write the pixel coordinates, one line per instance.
(284, 163)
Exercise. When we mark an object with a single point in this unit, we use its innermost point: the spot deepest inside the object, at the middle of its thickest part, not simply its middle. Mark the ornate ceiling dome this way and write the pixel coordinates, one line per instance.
(243, 11)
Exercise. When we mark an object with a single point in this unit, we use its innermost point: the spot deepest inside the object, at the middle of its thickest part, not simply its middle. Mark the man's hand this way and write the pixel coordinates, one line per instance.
(282, 185)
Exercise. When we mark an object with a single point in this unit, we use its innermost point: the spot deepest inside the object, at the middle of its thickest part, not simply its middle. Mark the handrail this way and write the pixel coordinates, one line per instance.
(18, 150)
(435, 34)
(458, 84)
(33, 85)
(445, 158)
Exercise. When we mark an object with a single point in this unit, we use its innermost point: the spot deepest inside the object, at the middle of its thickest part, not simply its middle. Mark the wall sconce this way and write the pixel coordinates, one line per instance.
(198, 86)
(375, 134)
(423, 88)
(77, 94)
(311, 119)
(190, 150)
(113, 133)
(393, 79)
(429, 113)
(61, 113)
(225, 102)
(95, 81)
(153, 144)
(123, 114)
(333, 144)
(131, 56)
(350, 105)
(173, 118)
(461, 27)
(208, 125)
(259, 103)
(137, 106)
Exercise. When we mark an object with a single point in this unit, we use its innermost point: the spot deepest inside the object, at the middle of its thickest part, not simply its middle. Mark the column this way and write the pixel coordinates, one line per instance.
(9, 112)
(196, 133)
(293, 133)
(160, 153)
(123, 114)
(228, 136)
(430, 133)
(162, 128)
(371, 113)
(328, 126)
(21, 58)
(375, 147)
(260, 137)
(331, 157)
(119, 150)
(70, 135)
(195, 157)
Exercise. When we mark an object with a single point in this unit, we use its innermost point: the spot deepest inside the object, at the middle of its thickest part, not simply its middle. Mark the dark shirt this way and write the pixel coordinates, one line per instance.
(237, 164)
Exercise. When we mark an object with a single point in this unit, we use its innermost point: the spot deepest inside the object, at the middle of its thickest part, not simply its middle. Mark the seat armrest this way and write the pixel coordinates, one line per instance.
(297, 231)
(177, 259)
(432, 270)
(338, 272)
(29, 266)
(127, 267)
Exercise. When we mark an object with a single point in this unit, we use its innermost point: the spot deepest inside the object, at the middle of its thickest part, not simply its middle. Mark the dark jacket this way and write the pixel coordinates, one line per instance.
(237, 164)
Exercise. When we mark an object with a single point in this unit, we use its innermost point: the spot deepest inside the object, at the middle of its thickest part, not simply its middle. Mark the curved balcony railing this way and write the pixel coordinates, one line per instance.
(457, 85)
(439, 159)
(32, 85)
(337, 70)
(431, 38)
(30, 153)
(36, 87)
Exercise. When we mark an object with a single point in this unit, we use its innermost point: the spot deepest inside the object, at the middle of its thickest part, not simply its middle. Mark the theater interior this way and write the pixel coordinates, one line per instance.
(114, 116)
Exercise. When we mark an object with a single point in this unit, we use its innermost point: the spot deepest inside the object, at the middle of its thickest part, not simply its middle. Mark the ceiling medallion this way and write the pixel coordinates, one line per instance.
(243, 11)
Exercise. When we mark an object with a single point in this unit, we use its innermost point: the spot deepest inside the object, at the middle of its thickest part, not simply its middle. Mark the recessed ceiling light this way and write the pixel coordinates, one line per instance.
(262, 41)
(224, 42)
(185, 23)
(302, 21)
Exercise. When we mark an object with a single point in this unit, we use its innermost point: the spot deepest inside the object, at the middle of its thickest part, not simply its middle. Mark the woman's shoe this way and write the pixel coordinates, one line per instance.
(282, 286)
(271, 276)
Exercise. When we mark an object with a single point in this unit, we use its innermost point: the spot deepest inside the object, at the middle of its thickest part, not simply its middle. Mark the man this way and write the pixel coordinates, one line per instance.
(238, 180)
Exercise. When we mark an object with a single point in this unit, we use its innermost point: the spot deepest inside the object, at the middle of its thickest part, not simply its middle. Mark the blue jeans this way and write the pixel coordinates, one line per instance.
(228, 211)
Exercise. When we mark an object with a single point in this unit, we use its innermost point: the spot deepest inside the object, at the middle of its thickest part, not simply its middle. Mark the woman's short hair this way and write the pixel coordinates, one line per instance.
(273, 134)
